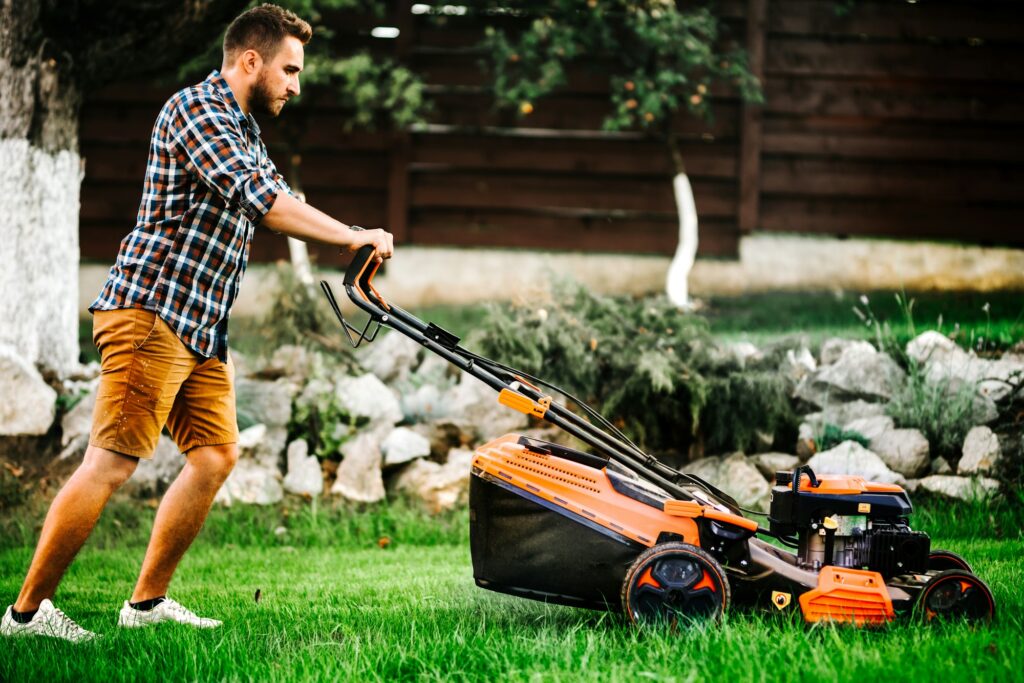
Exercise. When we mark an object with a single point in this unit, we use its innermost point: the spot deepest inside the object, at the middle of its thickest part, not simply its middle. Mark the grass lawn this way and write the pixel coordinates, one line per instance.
(335, 606)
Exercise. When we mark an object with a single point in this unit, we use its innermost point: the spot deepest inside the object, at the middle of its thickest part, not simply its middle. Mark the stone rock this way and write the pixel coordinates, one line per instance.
(29, 404)
(850, 457)
(260, 401)
(153, 476)
(871, 427)
(359, 475)
(476, 403)
(446, 434)
(423, 404)
(78, 420)
(438, 487)
(739, 352)
(251, 483)
(391, 357)
(403, 445)
(840, 414)
(985, 410)
(941, 466)
(368, 397)
(981, 452)
(76, 449)
(905, 451)
(770, 463)
(250, 439)
(304, 478)
(290, 360)
(944, 360)
(960, 488)
(735, 475)
(262, 444)
(797, 364)
(860, 373)
(834, 348)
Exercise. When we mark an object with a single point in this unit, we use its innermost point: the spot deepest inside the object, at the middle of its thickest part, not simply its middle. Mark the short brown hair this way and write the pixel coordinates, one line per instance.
(262, 29)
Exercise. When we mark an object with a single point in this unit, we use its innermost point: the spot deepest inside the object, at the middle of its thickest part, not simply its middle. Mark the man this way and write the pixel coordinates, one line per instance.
(160, 322)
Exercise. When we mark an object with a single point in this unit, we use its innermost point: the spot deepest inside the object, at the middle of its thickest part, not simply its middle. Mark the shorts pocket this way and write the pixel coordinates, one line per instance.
(145, 325)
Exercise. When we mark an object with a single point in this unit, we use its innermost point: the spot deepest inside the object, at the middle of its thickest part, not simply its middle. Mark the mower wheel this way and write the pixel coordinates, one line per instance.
(956, 594)
(941, 560)
(674, 582)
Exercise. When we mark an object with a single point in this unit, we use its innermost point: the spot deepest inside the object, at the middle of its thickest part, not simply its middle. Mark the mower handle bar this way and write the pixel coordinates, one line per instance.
(359, 287)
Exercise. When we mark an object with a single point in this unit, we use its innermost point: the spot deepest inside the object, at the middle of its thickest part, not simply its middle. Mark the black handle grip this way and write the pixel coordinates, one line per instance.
(358, 264)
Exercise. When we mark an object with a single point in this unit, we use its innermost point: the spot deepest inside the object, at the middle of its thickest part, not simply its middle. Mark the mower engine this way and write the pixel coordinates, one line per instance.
(846, 522)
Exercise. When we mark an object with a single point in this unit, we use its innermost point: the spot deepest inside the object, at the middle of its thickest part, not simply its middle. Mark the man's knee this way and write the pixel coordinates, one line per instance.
(215, 462)
(108, 467)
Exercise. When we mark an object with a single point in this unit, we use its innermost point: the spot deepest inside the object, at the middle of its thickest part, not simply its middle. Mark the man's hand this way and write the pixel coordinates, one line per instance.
(382, 241)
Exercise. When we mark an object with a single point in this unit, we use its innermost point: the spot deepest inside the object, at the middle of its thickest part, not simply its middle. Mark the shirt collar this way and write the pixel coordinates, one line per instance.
(217, 81)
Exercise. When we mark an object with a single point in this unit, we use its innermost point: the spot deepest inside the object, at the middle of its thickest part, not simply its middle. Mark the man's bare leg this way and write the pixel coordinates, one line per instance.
(181, 516)
(69, 522)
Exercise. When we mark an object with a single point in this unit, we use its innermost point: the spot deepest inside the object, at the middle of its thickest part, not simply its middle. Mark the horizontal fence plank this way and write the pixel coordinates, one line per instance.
(937, 182)
(815, 58)
(806, 140)
(898, 21)
(896, 99)
(586, 157)
(626, 193)
(530, 230)
(991, 224)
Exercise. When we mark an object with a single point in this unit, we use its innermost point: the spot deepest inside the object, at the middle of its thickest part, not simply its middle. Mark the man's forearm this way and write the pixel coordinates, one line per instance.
(299, 220)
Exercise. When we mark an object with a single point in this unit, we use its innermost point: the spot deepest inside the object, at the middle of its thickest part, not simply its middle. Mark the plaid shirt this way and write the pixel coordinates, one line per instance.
(208, 181)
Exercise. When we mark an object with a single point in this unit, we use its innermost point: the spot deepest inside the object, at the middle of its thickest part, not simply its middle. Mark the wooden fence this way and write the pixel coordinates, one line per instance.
(897, 119)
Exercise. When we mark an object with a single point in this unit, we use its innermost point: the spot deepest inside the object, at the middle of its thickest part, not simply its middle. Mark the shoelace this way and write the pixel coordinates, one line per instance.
(175, 606)
(65, 625)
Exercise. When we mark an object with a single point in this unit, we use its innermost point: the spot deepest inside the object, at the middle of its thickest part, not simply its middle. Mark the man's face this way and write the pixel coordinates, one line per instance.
(278, 79)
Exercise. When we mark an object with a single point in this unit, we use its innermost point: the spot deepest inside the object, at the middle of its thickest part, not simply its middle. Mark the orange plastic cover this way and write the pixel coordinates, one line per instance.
(844, 484)
(848, 595)
(579, 489)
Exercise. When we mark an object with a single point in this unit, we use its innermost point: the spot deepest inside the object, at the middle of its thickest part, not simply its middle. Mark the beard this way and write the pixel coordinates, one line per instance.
(262, 100)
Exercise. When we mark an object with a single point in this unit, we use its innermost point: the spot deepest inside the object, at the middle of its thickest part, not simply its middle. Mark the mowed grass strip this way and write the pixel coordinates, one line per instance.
(412, 612)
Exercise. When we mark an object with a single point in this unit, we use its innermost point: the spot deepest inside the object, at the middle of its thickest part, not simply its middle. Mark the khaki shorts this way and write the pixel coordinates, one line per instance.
(150, 379)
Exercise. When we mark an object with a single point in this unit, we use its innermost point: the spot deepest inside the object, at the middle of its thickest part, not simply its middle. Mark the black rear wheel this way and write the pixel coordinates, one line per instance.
(956, 594)
(941, 560)
(675, 583)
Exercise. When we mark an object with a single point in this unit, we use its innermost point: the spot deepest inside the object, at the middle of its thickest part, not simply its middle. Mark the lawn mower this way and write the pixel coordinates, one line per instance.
(616, 529)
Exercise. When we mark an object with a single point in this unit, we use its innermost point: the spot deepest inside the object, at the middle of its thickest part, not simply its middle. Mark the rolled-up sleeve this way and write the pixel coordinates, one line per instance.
(210, 143)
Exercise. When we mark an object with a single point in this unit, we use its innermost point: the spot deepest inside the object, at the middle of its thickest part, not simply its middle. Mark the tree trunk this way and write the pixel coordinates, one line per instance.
(40, 176)
(297, 249)
(677, 281)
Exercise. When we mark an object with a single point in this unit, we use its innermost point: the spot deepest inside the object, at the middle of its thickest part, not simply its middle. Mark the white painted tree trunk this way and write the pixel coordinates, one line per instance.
(299, 254)
(676, 285)
(39, 199)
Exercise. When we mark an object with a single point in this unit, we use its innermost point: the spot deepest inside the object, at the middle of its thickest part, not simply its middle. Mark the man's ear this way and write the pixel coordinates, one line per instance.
(251, 61)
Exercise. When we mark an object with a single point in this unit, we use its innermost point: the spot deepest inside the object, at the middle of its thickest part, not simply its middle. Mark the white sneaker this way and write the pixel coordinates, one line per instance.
(168, 610)
(48, 621)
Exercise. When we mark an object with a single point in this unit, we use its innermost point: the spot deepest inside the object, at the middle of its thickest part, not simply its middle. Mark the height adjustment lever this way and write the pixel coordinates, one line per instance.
(349, 328)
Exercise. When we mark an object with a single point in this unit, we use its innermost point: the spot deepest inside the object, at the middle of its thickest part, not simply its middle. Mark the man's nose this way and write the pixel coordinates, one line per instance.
(293, 87)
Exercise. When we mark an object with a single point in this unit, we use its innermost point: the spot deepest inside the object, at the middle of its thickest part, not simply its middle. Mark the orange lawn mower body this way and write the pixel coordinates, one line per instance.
(616, 529)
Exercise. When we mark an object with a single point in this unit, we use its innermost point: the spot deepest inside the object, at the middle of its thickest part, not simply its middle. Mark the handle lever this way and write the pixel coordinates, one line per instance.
(349, 328)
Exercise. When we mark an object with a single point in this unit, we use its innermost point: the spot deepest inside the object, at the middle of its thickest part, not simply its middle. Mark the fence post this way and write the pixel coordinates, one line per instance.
(750, 131)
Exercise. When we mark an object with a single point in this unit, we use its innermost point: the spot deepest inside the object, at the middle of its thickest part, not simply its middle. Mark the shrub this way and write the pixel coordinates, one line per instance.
(833, 435)
(746, 408)
(300, 315)
(644, 364)
(944, 410)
